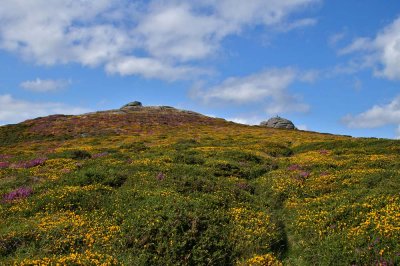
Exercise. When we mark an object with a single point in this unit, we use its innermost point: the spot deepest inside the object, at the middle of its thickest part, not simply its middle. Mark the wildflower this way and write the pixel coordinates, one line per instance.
(98, 155)
(35, 162)
(242, 185)
(4, 165)
(324, 152)
(160, 176)
(304, 174)
(267, 259)
(19, 193)
(30, 164)
(294, 167)
(65, 171)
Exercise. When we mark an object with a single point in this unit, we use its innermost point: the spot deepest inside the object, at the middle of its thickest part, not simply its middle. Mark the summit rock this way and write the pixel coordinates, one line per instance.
(131, 105)
(278, 122)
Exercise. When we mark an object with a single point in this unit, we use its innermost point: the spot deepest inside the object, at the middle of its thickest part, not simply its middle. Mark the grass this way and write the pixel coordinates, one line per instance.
(148, 189)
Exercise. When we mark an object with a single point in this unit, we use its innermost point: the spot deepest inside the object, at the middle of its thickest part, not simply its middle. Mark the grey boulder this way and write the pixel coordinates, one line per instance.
(278, 122)
(131, 105)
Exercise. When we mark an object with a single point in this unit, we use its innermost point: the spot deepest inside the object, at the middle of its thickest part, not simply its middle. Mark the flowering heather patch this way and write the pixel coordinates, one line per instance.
(294, 167)
(35, 162)
(160, 176)
(4, 165)
(30, 164)
(5, 156)
(324, 152)
(243, 186)
(304, 174)
(99, 155)
(19, 193)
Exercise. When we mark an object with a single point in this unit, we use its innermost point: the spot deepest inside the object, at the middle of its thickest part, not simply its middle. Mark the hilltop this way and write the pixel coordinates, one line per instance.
(162, 186)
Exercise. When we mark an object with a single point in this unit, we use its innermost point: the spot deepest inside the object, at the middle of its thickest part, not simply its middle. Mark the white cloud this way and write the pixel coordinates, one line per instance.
(358, 84)
(302, 127)
(398, 132)
(351, 67)
(334, 39)
(269, 86)
(44, 85)
(251, 88)
(152, 68)
(360, 44)
(376, 116)
(251, 120)
(176, 32)
(33, 30)
(14, 110)
(382, 53)
(285, 104)
(165, 34)
(297, 24)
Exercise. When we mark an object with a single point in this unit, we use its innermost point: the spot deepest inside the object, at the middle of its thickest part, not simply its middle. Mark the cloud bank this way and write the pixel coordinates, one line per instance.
(153, 39)
(44, 85)
(14, 110)
(376, 116)
(382, 53)
(268, 87)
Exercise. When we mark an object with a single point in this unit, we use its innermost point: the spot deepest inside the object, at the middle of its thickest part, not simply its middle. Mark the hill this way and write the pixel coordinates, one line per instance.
(161, 186)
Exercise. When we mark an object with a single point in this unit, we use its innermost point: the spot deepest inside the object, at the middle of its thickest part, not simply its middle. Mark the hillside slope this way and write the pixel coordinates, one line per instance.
(160, 186)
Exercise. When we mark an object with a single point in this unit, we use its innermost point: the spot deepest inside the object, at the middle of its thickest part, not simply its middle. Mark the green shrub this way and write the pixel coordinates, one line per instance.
(98, 175)
(135, 146)
(188, 157)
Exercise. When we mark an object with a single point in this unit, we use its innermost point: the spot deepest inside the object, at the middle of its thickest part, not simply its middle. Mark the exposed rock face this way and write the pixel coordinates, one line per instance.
(132, 105)
(278, 122)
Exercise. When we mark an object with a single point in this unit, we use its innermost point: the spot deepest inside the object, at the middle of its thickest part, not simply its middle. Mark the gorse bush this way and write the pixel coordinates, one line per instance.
(161, 187)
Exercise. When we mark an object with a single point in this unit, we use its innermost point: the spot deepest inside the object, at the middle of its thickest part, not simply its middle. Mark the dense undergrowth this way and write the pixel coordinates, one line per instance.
(187, 193)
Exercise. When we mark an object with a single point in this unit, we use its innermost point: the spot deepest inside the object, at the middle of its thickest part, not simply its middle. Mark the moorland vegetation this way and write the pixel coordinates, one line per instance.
(166, 187)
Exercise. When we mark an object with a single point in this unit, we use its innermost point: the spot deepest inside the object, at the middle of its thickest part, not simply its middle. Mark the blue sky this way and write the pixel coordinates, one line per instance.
(329, 66)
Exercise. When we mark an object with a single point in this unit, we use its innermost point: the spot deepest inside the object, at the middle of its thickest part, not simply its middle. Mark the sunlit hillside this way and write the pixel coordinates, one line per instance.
(160, 186)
